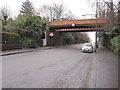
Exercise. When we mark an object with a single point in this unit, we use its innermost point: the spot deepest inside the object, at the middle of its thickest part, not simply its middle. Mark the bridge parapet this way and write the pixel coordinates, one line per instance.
(77, 22)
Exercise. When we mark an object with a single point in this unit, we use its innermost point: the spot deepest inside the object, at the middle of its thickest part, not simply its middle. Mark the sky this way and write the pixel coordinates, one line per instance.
(78, 7)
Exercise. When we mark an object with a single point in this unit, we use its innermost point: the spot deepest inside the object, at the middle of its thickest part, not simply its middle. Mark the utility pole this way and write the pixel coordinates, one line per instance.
(119, 11)
(96, 44)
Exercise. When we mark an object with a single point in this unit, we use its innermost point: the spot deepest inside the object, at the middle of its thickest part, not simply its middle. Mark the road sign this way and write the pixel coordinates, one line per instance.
(51, 34)
(73, 24)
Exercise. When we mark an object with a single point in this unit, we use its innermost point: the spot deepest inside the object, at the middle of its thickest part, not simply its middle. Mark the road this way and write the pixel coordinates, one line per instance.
(62, 67)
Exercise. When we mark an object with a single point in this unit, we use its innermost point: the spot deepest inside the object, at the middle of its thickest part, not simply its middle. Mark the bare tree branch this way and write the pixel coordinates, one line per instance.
(55, 12)
(5, 13)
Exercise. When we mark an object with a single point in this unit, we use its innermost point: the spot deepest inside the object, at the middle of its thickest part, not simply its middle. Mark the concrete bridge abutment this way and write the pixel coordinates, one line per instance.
(56, 39)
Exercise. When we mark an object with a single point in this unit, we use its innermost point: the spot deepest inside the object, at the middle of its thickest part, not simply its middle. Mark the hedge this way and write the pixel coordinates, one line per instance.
(10, 41)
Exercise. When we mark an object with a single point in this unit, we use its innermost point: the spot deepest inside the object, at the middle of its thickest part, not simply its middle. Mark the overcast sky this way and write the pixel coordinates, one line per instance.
(78, 7)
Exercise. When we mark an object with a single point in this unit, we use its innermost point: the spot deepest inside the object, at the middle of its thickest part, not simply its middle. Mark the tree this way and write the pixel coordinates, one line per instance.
(5, 14)
(11, 26)
(55, 12)
(119, 11)
(108, 10)
(0, 25)
(27, 8)
(30, 30)
(73, 37)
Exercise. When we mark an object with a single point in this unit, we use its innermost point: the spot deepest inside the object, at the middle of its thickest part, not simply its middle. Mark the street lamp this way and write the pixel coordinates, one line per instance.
(83, 16)
(89, 15)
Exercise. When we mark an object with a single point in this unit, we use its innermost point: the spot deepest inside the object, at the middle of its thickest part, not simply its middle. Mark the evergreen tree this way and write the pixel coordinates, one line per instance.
(27, 8)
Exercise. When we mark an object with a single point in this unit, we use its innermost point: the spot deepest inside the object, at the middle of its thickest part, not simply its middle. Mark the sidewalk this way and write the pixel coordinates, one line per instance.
(18, 51)
(104, 70)
(107, 68)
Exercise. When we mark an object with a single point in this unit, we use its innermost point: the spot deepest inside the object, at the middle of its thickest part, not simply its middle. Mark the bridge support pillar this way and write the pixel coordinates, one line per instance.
(55, 40)
(58, 38)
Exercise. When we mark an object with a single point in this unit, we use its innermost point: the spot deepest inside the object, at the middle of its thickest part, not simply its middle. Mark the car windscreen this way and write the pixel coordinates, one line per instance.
(88, 45)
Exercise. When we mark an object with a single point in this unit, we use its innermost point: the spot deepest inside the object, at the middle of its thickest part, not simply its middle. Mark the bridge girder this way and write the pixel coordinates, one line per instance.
(82, 23)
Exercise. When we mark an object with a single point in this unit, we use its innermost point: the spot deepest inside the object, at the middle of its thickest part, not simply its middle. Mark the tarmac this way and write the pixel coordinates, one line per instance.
(104, 67)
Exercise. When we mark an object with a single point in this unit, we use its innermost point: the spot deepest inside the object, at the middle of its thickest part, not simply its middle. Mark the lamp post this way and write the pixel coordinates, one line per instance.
(83, 16)
(89, 15)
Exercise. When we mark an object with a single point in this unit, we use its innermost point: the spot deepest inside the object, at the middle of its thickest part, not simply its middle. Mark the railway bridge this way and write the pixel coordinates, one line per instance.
(57, 28)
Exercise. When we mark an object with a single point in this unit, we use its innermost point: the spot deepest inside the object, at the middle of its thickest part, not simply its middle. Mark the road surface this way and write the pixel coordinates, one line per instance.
(63, 67)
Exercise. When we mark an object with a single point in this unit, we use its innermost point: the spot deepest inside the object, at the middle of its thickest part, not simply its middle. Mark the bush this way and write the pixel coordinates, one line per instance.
(29, 43)
(10, 41)
(116, 43)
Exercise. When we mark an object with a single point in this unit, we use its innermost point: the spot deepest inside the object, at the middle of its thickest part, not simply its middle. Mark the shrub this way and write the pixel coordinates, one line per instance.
(29, 43)
(116, 43)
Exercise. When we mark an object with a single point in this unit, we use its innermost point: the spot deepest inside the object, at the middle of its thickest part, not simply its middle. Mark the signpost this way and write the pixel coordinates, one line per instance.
(51, 34)
(73, 24)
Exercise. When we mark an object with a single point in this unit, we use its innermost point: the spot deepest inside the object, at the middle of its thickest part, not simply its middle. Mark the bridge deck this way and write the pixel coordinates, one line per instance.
(77, 22)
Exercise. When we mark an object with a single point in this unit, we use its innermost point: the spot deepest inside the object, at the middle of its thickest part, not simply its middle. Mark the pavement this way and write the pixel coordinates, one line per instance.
(104, 70)
(24, 50)
(18, 51)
